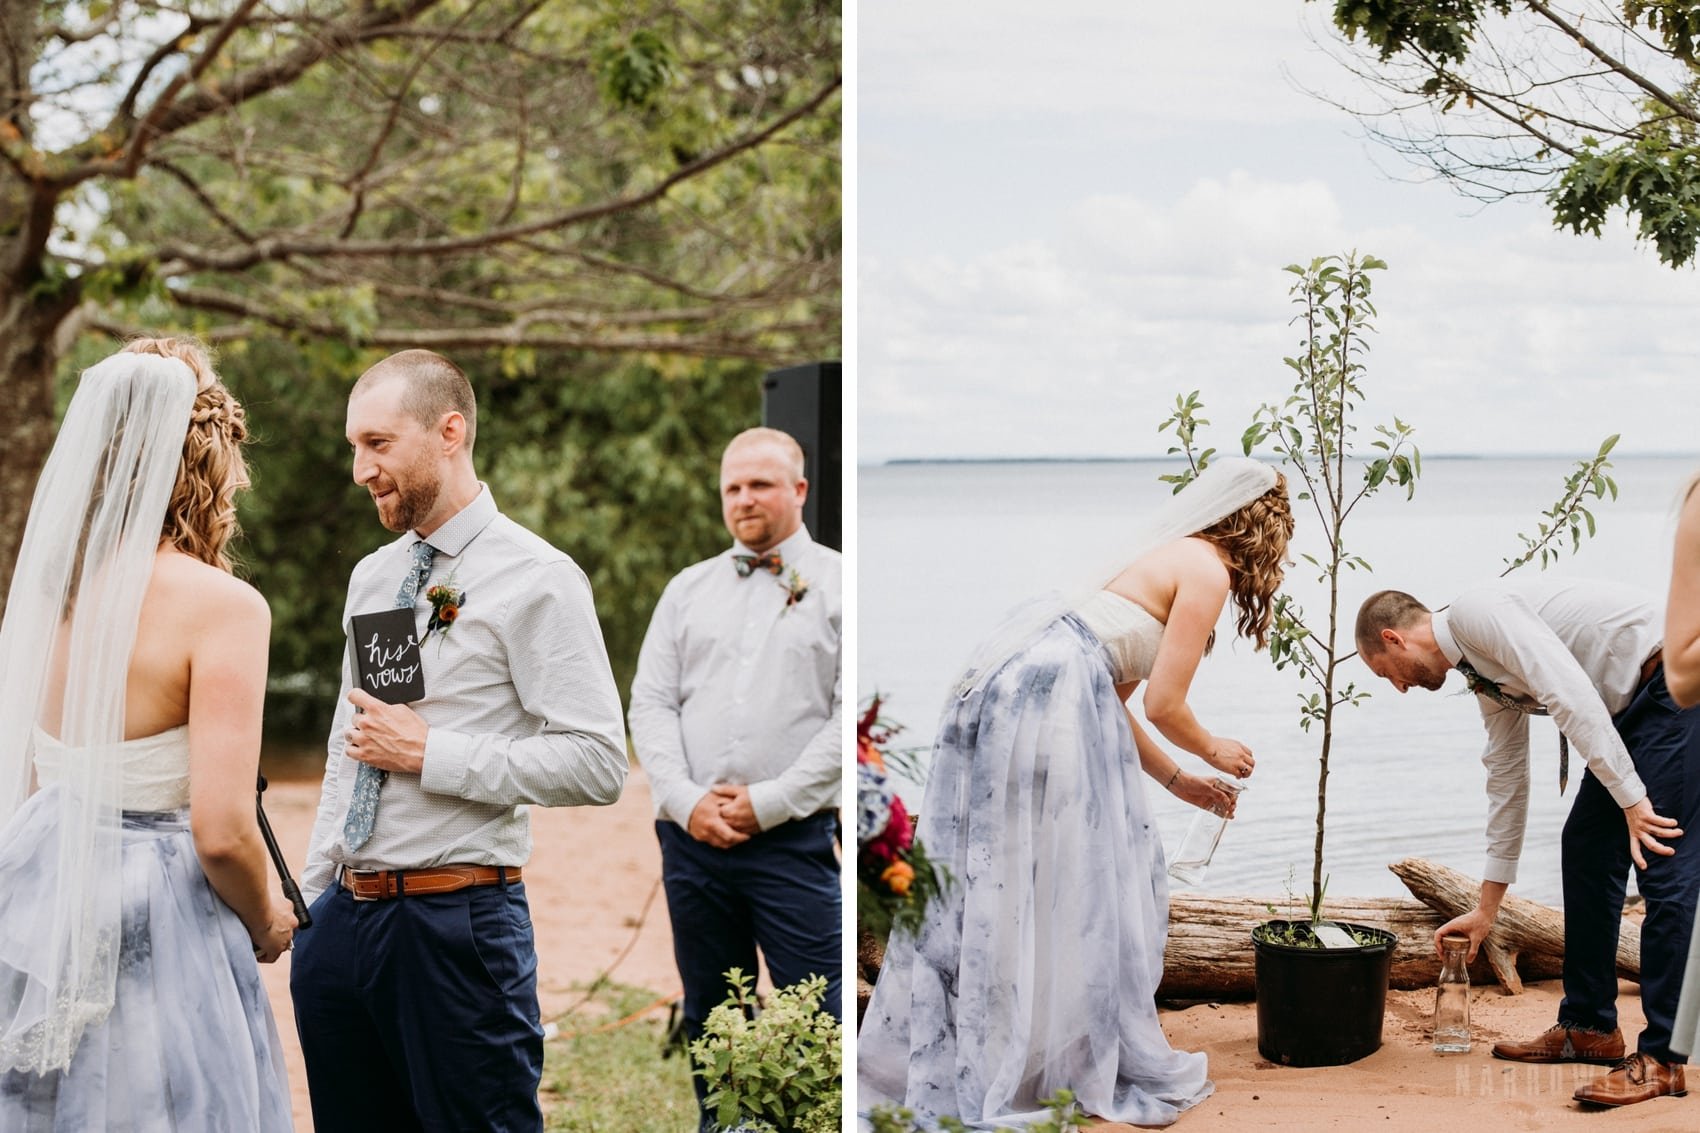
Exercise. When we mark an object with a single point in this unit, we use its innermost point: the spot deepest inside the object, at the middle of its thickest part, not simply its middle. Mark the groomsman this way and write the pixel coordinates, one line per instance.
(1588, 654)
(416, 987)
(735, 715)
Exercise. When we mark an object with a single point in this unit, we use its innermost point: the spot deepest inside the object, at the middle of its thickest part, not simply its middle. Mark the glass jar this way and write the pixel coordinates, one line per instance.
(1198, 845)
(1452, 997)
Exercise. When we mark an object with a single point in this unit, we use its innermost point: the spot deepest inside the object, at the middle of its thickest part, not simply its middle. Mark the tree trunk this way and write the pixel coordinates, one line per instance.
(28, 357)
(32, 306)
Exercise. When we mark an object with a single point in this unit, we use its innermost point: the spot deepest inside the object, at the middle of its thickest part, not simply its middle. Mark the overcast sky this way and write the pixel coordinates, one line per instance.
(1068, 213)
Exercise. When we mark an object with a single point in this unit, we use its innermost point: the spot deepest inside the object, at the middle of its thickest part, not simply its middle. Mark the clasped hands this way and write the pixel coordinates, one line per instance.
(390, 737)
(278, 934)
(723, 818)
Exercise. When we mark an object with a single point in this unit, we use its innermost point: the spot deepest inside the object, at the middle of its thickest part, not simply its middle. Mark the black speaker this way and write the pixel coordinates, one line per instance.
(808, 402)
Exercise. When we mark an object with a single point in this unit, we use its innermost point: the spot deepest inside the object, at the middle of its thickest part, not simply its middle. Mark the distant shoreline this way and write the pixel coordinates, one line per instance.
(1269, 457)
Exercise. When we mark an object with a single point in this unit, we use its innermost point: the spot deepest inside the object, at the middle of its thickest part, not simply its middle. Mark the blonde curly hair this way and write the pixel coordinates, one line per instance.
(200, 519)
(1254, 542)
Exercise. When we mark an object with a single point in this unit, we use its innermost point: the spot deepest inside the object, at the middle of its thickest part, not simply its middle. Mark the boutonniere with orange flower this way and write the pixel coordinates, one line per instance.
(796, 588)
(446, 602)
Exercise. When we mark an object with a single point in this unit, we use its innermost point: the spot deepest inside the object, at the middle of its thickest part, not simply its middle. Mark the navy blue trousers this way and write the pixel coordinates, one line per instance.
(780, 891)
(420, 1013)
(1664, 743)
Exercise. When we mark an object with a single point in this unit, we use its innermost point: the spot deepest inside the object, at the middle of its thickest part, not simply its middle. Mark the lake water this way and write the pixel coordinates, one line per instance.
(945, 549)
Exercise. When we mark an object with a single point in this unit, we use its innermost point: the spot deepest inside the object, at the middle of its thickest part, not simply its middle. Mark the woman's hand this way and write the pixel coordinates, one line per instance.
(279, 934)
(1230, 757)
(1206, 794)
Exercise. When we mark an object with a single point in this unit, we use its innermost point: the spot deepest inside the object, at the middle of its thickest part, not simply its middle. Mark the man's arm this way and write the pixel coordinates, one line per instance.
(1526, 647)
(1506, 758)
(814, 780)
(559, 668)
(656, 714)
(1682, 610)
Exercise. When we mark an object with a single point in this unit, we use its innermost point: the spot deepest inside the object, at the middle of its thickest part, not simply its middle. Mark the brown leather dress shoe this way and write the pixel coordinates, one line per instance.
(1638, 1078)
(1563, 1043)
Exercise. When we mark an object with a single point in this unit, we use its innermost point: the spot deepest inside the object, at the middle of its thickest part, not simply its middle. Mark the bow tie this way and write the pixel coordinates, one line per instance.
(749, 564)
(1481, 686)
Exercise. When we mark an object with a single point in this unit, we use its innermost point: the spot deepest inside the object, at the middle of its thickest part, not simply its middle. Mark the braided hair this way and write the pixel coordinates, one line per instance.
(200, 519)
(1254, 542)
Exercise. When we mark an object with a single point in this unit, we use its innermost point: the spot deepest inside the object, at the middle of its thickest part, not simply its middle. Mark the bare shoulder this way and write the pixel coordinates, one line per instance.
(1196, 560)
(203, 593)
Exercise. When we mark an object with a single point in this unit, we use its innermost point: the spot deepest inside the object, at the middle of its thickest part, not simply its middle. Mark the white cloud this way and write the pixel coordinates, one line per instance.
(1079, 57)
(1075, 343)
(1045, 262)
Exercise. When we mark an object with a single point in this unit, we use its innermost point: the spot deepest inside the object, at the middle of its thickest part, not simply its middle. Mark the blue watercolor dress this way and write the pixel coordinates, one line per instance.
(190, 1043)
(1037, 969)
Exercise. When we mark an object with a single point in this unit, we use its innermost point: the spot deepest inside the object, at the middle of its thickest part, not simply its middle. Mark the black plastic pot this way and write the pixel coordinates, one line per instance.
(1320, 1006)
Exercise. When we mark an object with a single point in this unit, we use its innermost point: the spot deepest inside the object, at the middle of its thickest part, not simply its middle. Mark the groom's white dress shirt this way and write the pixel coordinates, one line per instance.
(735, 686)
(1575, 647)
(519, 699)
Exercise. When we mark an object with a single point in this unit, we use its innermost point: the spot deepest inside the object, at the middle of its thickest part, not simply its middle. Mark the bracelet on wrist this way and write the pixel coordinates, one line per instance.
(1172, 778)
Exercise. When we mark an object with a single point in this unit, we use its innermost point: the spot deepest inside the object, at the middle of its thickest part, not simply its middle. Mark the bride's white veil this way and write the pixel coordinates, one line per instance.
(1226, 485)
(83, 567)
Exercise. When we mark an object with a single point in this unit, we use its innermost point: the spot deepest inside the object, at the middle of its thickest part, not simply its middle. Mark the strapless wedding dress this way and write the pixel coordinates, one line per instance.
(190, 1043)
(1037, 969)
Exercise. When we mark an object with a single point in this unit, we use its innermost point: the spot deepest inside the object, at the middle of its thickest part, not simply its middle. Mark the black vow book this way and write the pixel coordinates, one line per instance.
(384, 650)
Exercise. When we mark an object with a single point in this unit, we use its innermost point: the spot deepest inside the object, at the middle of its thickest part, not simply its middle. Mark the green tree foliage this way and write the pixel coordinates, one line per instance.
(650, 179)
(1592, 103)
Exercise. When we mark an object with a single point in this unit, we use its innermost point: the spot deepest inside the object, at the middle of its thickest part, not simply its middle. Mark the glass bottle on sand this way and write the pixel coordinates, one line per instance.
(1452, 997)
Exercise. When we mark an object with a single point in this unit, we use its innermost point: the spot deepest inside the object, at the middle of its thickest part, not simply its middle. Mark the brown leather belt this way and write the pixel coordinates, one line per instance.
(1651, 665)
(383, 884)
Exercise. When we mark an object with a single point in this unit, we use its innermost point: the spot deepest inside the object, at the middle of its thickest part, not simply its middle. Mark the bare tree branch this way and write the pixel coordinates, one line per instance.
(267, 249)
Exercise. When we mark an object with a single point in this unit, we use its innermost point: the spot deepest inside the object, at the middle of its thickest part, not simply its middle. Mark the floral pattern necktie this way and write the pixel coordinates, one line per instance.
(363, 808)
(1481, 686)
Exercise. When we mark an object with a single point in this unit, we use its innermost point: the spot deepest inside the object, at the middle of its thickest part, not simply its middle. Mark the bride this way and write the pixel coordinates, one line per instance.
(134, 893)
(1037, 968)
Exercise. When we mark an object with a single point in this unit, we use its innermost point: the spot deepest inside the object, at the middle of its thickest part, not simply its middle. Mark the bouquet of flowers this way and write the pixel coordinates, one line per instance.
(894, 878)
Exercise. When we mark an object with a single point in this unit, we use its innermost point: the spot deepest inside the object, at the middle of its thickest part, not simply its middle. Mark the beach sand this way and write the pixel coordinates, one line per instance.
(591, 872)
(1407, 1088)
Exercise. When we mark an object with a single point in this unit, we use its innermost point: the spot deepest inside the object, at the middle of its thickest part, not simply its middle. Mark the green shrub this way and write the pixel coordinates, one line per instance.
(777, 1070)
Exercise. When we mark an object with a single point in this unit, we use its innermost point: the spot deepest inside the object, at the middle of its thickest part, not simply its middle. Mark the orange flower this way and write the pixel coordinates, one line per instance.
(869, 753)
(448, 614)
(897, 877)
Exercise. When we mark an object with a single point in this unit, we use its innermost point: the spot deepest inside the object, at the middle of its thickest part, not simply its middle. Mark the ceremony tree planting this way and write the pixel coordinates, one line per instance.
(1333, 467)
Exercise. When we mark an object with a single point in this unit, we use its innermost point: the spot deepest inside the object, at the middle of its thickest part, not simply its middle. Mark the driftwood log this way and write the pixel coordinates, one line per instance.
(1522, 929)
(1209, 954)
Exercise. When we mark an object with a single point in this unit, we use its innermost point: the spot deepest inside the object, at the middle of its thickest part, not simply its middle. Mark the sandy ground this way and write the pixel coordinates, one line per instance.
(1407, 1088)
(592, 870)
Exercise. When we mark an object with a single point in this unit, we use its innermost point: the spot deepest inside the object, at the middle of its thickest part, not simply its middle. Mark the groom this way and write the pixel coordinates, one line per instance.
(416, 987)
(1588, 654)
